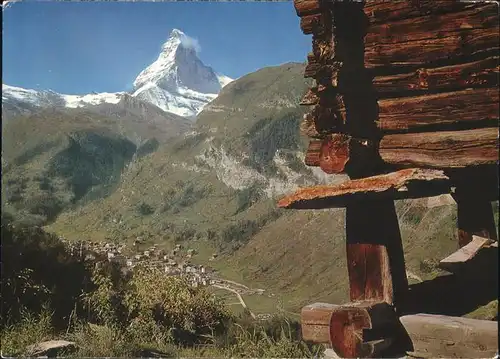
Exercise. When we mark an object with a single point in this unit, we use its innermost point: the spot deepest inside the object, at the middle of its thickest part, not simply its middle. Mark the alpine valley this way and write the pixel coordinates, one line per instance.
(193, 157)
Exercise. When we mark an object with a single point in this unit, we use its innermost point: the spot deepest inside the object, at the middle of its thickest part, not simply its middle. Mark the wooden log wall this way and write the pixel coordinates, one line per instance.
(409, 84)
(427, 67)
(343, 119)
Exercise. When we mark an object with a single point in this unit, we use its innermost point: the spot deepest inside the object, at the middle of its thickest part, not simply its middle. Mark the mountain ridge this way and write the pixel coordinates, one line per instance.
(177, 82)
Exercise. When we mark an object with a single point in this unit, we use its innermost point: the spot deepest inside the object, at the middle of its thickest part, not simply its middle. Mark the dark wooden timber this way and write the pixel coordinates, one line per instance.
(432, 25)
(316, 23)
(475, 217)
(308, 7)
(449, 48)
(313, 153)
(440, 336)
(387, 11)
(353, 330)
(341, 153)
(408, 183)
(455, 77)
(373, 329)
(457, 259)
(405, 84)
(446, 149)
(440, 111)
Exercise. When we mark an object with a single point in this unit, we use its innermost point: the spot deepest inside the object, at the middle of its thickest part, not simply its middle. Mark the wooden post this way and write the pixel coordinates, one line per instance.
(375, 259)
(475, 189)
(475, 217)
(363, 329)
(368, 329)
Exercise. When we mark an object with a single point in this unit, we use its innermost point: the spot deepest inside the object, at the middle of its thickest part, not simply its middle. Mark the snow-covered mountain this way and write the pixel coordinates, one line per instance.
(177, 82)
(50, 98)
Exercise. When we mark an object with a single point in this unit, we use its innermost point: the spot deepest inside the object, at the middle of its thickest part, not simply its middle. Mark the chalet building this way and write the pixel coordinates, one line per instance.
(405, 103)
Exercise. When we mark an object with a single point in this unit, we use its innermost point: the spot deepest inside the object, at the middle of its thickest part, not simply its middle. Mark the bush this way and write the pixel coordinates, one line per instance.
(30, 329)
(37, 269)
(172, 304)
(145, 209)
(47, 294)
(247, 197)
(186, 196)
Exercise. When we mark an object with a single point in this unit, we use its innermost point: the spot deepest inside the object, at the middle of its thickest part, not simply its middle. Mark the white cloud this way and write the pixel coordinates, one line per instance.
(190, 42)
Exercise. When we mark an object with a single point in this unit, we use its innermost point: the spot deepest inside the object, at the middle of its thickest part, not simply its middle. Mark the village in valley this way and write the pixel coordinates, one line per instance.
(174, 262)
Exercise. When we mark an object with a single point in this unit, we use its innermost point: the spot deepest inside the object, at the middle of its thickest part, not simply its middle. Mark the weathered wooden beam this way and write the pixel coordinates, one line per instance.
(440, 336)
(335, 154)
(308, 7)
(475, 218)
(408, 183)
(329, 119)
(319, 24)
(324, 48)
(310, 98)
(438, 111)
(375, 259)
(313, 153)
(472, 74)
(340, 152)
(354, 330)
(428, 26)
(324, 96)
(384, 11)
(465, 253)
(446, 149)
(446, 49)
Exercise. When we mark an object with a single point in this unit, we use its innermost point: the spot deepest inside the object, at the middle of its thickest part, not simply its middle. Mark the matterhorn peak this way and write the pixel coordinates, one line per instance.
(178, 74)
(179, 39)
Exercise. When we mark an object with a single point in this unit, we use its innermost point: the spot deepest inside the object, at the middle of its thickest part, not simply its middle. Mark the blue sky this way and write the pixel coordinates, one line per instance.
(80, 47)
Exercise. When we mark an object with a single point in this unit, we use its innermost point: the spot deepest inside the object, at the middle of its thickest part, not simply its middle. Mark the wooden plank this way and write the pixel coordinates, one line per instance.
(353, 330)
(438, 111)
(334, 154)
(327, 96)
(313, 153)
(308, 127)
(310, 98)
(328, 119)
(308, 7)
(474, 218)
(433, 25)
(472, 74)
(319, 24)
(451, 337)
(447, 49)
(465, 253)
(446, 149)
(324, 48)
(408, 183)
(340, 153)
(384, 11)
